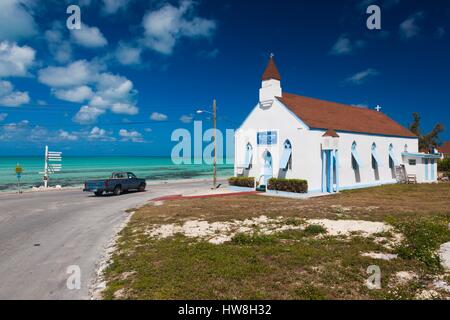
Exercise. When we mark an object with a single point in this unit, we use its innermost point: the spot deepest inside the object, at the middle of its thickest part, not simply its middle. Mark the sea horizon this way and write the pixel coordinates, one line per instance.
(77, 169)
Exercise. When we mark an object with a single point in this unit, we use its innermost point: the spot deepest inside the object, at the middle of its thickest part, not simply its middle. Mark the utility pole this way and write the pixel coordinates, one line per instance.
(46, 168)
(215, 143)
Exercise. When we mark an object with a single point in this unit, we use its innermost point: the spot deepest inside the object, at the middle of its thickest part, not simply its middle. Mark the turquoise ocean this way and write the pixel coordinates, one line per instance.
(75, 170)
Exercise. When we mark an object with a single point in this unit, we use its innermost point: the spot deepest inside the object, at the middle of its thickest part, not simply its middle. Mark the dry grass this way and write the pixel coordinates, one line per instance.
(288, 265)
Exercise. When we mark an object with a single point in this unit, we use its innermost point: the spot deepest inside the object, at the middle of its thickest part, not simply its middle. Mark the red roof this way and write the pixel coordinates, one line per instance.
(445, 148)
(271, 71)
(320, 114)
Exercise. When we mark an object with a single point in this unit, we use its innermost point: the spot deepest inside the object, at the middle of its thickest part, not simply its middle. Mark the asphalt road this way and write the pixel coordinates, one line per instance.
(42, 234)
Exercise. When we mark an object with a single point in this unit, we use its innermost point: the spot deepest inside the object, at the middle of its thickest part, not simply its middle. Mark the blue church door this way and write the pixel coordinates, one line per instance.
(267, 170)
(330, 171)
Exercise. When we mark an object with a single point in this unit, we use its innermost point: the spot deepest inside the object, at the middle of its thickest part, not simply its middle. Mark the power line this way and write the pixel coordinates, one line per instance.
(105, 124)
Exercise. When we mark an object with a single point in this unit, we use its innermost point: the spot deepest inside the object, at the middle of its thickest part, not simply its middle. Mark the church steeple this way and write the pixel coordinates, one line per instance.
(271, 71)
(270, 86)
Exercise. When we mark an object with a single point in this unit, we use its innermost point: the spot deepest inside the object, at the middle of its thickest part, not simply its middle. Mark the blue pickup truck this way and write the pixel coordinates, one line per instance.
(117, 184)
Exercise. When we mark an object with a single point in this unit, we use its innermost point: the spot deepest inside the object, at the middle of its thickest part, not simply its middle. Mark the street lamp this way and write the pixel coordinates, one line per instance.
(214, 114)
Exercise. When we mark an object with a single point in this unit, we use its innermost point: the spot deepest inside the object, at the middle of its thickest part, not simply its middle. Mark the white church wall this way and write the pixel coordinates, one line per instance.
(275, 118)
(306, 150)
(367, 175)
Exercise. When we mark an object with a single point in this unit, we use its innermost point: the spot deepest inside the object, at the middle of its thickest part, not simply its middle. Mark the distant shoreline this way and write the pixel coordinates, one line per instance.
(80, 187)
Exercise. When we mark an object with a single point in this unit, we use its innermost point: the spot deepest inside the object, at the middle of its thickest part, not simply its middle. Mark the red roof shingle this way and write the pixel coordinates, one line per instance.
(271, 71)
(320, 114)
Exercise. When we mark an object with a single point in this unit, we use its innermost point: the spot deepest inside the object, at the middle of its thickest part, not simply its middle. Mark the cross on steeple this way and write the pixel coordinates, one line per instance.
(378, 108)
(271, 55)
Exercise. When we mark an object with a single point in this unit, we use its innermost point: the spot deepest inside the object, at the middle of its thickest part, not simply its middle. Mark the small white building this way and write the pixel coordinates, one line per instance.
(331, 145)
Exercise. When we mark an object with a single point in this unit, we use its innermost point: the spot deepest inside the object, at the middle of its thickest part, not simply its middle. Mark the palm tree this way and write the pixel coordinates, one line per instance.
(426, 141)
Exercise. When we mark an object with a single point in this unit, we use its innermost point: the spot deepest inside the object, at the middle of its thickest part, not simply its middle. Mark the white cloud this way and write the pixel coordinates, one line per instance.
(16, 22)
(15, 60)
(64, 135)
(156, 116)
(58, 46)
(11, 98)
(83, 81)
(76, 94)
(410, 28)
(128, 55)
(362, 76)
(132, 136)
(112, 6)
(164, 27)
(100, 134)
(124, 108)
(114, 88)
(75, 74)
(3, 116)
(115, 92)
(89, 37)
(344, 45)
(148, 130)
(15, 131)
(88, 115)
(186, 118)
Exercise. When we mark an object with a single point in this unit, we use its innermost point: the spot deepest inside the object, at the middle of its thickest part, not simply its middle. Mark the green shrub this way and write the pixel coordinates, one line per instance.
(422, 240)
(248, 182)
(288, 185)
(314, 229)
(444, 165)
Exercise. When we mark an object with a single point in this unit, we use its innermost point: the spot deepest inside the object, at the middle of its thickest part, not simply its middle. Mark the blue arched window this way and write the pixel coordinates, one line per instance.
(248, 156)
(356, 161)
(375, 158)
(286, 156)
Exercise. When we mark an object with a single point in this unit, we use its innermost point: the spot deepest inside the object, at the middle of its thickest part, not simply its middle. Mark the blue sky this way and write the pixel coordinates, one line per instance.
(137, 70)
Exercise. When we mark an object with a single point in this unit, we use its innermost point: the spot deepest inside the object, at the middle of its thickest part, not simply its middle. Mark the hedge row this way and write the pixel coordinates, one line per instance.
(248, 182)
(288, 185)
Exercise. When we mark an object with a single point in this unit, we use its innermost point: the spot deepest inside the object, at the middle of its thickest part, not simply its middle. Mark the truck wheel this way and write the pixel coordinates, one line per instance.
(117, 191)
(141, 187)
(98, 193)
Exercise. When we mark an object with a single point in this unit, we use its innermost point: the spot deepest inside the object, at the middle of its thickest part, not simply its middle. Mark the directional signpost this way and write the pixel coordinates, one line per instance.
(53, 164)
(19, 171)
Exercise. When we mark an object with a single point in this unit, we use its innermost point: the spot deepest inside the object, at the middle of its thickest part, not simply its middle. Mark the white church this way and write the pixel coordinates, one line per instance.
(331, 145)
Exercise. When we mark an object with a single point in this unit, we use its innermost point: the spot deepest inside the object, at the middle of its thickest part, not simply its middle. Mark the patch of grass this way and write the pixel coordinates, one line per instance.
(252, 239)
(294, 222)
(310, 292)
(294, 264)
(423, 237)
(314, 229)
